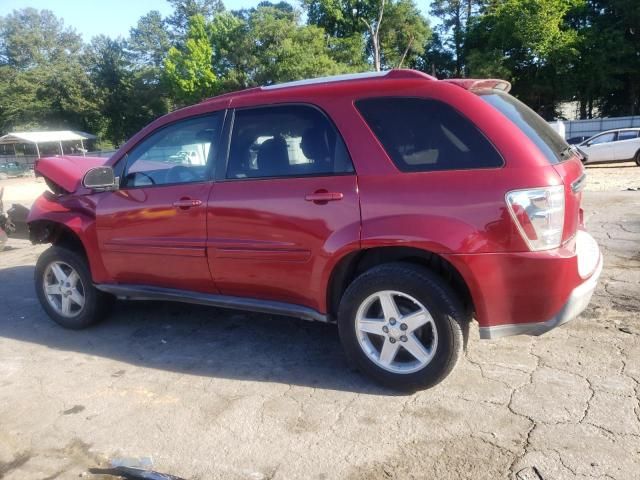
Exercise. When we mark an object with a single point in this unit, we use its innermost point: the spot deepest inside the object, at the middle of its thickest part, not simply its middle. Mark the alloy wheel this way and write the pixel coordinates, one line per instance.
(64, 289)
(396, 332)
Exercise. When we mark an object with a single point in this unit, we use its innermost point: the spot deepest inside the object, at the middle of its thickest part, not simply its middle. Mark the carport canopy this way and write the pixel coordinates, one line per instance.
(45, 137)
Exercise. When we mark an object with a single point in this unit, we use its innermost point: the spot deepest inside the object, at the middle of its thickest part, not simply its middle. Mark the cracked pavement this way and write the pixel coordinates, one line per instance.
(214, 394)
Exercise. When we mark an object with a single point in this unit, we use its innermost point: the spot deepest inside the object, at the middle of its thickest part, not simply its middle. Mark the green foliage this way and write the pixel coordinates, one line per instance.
(42, 81)
(184, 10)
(404, 33)
(268, 45)
(188, 70)
(528, 42)
(149, 40)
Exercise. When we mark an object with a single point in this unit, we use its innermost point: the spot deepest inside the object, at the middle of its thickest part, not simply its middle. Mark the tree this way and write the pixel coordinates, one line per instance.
(404, 34)
(373, 28)
(436, 60)
(531, 43)
(149, 40)
(456, 17)
(33, 38)
(605, 76)
(189, 70)
(384, 33)
(42, 82)
(185, 10)
(110, 73)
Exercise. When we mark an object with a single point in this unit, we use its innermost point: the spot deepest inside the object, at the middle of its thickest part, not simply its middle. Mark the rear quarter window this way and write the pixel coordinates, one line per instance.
(422, 135)
(530, 123)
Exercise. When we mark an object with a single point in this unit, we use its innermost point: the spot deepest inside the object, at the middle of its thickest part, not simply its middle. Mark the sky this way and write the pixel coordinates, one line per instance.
(115, 17)
(109, 17)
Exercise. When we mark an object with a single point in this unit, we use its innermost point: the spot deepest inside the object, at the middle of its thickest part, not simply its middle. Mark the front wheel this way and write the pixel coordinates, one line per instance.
(402, 325)
(65, 289)
(637, 158)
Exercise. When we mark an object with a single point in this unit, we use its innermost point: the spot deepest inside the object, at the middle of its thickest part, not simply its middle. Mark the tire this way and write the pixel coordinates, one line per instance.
(637, 158)
(95, 305)
(410, 287)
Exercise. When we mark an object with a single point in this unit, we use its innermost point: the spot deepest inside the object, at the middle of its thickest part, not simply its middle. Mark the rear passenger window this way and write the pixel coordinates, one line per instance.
(285, 141)
(423, 135)
(627, 135)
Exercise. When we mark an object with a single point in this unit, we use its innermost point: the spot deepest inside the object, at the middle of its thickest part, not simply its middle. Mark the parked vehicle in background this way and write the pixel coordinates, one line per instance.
(393, 204)
(620, 145)
(577, 140)
(13, 169)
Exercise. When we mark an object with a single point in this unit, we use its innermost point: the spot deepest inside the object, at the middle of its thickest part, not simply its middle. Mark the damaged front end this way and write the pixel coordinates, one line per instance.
(64, 174)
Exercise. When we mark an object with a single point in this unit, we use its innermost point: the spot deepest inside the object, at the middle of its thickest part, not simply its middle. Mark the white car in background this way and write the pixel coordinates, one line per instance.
(621, 145)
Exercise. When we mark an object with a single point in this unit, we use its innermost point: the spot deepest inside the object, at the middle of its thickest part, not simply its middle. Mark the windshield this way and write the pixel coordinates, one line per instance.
(532, 125)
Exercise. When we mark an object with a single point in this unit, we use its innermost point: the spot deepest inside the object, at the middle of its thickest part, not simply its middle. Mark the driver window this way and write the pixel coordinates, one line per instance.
(178, 153)
(604, 138)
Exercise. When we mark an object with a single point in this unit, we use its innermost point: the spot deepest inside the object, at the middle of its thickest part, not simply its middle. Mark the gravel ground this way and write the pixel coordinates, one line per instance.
(212, 394)
(613, 177)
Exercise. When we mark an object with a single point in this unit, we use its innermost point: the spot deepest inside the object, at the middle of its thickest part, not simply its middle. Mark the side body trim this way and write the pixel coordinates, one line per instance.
(143, 292)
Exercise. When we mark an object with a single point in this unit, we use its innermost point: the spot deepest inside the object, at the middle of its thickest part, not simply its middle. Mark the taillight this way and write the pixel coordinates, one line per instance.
(539, 215)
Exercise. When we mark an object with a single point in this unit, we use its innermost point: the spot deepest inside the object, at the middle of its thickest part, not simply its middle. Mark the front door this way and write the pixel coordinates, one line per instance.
(287, 203)
(152, 231)
(602, 148)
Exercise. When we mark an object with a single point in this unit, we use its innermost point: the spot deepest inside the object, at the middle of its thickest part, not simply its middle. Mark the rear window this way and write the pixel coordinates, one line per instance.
(532, 125)
(422, 135)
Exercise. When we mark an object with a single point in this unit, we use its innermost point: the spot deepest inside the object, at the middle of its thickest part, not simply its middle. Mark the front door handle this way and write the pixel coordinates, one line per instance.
(321, 197)
(186, 203)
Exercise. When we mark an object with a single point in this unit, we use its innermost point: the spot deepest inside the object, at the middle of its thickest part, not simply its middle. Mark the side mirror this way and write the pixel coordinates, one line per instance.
(100, 178)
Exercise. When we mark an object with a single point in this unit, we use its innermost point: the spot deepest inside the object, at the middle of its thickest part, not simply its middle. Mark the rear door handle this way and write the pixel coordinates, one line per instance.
(323, 197)
(185, 203)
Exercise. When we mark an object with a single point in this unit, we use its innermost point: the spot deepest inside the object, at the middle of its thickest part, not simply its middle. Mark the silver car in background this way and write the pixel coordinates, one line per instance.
(620, 145)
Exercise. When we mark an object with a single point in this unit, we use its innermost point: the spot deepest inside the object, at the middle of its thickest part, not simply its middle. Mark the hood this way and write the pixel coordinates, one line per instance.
(67, 172)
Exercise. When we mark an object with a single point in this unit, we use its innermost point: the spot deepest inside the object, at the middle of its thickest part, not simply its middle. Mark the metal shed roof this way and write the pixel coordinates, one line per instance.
(44, 137)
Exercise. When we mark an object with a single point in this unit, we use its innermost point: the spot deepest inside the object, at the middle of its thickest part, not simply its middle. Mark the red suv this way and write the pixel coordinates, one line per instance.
(393, 204)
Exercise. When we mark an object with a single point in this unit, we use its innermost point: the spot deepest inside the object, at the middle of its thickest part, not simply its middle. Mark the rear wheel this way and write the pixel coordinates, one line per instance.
(637, 158)
(402, 325)
(65, 289)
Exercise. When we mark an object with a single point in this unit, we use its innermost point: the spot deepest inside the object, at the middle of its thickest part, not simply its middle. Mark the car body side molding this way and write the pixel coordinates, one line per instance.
(144, 292)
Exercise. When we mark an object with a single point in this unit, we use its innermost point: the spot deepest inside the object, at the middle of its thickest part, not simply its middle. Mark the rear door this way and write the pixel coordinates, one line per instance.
(627, 144)
(285, 203)
(152, 230)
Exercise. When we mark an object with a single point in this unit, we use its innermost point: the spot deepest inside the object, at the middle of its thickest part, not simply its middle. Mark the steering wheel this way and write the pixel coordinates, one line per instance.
(181, 174)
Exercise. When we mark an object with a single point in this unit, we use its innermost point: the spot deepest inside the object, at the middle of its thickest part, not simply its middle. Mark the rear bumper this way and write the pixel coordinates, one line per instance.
(530, 293)
(575, 305)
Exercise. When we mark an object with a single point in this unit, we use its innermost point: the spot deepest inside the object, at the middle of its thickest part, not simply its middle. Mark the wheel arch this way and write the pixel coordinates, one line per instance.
(56, 233)
(76, 233)
(355, 263)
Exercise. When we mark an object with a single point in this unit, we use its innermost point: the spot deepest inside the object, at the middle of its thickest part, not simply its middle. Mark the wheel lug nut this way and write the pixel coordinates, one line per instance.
(385, 329)
(392, 340)
(403, 326)
(392, 321)
(403, 338)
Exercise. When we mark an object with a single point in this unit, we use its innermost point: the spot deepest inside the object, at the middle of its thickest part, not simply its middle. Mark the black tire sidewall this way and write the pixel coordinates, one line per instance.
(428, 289)
(93, 309)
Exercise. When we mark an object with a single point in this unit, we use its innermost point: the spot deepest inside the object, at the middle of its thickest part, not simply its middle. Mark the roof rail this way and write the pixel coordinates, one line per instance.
(328, 79)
